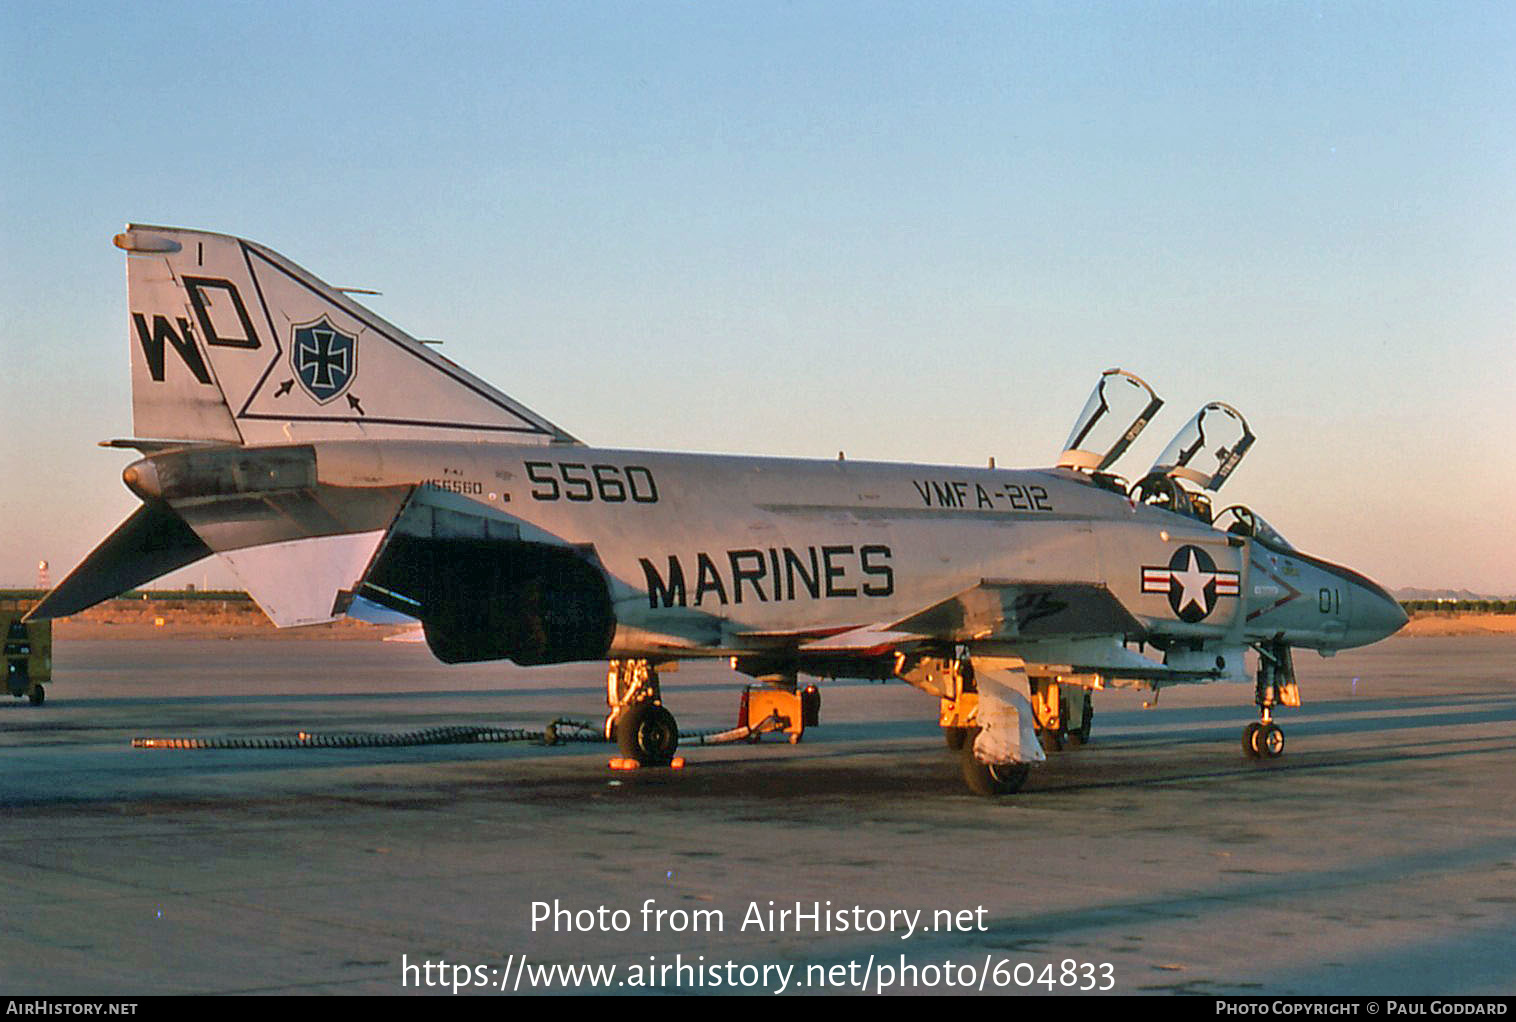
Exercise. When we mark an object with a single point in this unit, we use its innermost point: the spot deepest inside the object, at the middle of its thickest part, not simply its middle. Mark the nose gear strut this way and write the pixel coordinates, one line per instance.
(1275, 687)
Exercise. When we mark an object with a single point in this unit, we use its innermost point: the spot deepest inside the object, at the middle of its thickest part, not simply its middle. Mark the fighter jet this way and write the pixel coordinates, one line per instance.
(340, 466)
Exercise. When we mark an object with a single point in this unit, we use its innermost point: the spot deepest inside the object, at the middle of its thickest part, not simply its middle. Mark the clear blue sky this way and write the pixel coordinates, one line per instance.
(912, 232)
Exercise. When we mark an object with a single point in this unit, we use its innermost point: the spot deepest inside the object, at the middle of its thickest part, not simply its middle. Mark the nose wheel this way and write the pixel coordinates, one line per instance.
(1263, 740)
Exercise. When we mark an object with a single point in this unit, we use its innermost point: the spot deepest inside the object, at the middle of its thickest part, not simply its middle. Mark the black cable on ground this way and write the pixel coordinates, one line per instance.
(556, 733)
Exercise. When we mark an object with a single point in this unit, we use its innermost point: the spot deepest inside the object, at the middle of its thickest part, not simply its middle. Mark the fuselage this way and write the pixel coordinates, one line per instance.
(709, 549)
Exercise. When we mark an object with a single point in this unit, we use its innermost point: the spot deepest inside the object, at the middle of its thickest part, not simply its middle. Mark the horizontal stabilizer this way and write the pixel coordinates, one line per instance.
(152, 542)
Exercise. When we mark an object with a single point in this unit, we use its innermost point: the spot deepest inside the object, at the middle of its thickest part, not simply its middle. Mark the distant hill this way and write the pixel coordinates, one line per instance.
(1412, 593)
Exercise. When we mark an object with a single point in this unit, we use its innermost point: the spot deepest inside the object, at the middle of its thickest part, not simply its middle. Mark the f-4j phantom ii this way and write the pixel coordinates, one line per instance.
(336, 463)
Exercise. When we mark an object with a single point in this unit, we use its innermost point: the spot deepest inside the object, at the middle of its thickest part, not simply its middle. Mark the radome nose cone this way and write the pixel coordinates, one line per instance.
(141, 477)
(1381, 615)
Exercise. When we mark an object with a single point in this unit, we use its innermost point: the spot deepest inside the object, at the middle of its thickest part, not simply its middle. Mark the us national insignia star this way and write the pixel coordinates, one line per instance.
(1192, 581)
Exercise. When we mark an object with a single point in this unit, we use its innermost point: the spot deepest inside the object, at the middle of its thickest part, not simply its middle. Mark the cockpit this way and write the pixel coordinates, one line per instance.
(1196, 463)
(1159, 490)
(1204, 453)
(1240, 520)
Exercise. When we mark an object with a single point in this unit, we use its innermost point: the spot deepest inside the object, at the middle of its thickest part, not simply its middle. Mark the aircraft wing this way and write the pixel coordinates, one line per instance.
(1074, 627)
(995, 610)
(1005, 610)
(1070, 628)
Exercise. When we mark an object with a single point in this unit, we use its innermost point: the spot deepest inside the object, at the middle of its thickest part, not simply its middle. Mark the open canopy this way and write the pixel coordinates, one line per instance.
(1118, 410)
(1207, 450)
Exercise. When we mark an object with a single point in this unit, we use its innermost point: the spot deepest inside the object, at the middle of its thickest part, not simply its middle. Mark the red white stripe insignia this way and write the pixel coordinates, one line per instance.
(1159, 580)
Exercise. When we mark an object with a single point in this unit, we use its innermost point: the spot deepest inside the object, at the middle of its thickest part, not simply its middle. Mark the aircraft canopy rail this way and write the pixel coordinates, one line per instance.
(1099, 436)
(1209, 447)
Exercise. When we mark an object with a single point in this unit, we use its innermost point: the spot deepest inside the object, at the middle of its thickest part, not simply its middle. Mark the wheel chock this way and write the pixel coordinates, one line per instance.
(628, 763)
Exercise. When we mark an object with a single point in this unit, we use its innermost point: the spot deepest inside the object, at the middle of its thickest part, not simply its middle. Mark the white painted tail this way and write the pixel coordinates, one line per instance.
(233, 343)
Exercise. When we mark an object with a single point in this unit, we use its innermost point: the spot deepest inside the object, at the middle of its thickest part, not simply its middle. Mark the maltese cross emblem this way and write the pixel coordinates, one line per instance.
(324, 359)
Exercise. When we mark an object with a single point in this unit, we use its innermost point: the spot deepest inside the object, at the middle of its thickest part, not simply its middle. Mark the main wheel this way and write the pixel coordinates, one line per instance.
(954, 737)
(1250, 740)
(36, 695)
(647, 733)
(1271, 741)
(988, 779)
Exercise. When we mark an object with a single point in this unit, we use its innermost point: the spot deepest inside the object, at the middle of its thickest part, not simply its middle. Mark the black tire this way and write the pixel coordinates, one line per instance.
(984, 779)
(647, 733)
(36, 695)
(1051, 741)
(1250, 740)
(954, 737)
(1082, 736)
(1271, 741)
(810, 706)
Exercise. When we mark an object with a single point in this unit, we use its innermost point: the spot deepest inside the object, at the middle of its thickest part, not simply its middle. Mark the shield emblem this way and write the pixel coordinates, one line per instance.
(324, 359)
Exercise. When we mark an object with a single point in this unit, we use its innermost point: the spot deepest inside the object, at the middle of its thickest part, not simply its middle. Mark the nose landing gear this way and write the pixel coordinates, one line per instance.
(1263, 739)
(1276, 687)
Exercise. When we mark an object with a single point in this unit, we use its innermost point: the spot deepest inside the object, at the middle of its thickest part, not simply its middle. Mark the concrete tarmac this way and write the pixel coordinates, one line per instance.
(1378, 856)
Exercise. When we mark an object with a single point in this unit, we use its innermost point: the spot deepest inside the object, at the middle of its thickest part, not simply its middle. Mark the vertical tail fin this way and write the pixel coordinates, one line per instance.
(233, 343)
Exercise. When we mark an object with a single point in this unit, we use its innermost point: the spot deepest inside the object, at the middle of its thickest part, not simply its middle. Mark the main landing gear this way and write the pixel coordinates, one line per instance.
(648, 736)
(1058, 716)
(1064, 713)
(638, 722)
(1264, 739)
(989, 778)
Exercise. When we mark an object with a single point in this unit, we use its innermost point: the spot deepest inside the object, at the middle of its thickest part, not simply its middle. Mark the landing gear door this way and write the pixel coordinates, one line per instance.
(1120, 408)
(1209, 447)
